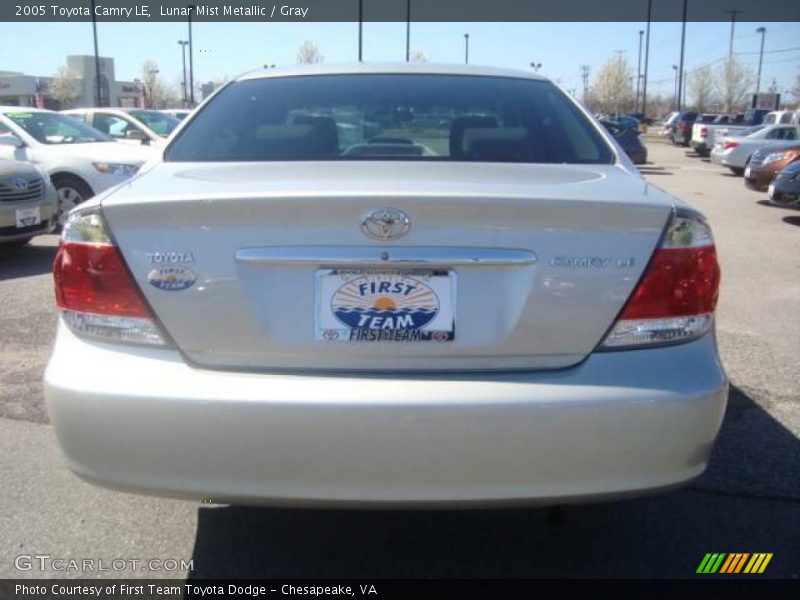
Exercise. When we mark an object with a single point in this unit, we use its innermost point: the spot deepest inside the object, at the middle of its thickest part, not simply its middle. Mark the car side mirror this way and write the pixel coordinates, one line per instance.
(136, 134)
(9, 139)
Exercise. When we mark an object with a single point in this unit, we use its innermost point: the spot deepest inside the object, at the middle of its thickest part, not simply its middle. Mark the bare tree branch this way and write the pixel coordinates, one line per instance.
(308, 54)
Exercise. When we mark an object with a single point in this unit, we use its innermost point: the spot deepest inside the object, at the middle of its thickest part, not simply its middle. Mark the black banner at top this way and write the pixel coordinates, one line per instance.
(398, 10)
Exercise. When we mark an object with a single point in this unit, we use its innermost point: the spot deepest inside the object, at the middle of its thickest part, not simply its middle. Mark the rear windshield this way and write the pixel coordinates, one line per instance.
(391, 117)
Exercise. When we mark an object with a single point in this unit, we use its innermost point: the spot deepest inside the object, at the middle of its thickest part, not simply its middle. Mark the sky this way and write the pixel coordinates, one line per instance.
(227, 49)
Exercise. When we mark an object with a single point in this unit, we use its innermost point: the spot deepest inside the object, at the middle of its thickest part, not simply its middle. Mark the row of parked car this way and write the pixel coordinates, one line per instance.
(761, 145)
(53, 161)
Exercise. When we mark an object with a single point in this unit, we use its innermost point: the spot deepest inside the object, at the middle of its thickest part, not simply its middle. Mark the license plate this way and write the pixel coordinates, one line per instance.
(747, 173)
(26, 217)
(385, 306)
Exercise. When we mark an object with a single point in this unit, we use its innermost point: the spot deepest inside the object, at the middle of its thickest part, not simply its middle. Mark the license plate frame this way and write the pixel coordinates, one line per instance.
(385, 305)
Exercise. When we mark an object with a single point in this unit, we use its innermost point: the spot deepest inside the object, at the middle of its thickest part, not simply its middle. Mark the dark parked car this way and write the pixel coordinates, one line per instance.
(682, 127)
(785, 188)
(628, 139)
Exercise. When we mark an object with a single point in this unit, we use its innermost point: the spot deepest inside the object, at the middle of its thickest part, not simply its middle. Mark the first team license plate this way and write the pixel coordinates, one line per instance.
(385, 306)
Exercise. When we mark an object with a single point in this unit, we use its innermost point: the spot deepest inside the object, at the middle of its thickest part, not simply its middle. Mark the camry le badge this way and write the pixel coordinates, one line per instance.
(386, 223)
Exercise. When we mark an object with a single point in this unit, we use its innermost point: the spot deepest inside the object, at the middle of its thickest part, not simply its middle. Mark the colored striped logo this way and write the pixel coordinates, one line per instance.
(736, 562)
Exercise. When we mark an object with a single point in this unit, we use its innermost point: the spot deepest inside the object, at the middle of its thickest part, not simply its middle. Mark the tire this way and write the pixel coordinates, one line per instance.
(738, 171)
(71, 192)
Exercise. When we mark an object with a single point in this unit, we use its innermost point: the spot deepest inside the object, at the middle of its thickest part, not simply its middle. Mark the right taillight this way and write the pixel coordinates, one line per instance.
(95, 292)
(729, 145)
(703, 132)
(675, 298)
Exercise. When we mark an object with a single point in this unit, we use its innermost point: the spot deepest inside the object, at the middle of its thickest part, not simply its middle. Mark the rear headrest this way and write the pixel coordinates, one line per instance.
(508, 144)
(460, 124)
(306, 137)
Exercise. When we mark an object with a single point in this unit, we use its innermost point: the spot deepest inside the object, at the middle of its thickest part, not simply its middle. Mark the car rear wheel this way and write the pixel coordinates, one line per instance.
(738, 171)
(71, 191)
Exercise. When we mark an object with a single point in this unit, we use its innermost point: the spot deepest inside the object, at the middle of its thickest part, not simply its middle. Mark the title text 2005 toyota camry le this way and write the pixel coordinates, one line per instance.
(387, 285)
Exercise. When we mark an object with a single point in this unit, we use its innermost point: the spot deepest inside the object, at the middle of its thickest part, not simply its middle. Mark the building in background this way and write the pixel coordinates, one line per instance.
(19, 89)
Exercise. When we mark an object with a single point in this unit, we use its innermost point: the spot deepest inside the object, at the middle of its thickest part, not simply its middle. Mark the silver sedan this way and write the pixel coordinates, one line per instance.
(388, 285)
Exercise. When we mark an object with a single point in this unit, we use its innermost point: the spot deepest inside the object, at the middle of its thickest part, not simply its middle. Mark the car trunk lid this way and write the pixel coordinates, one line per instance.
(524, 266)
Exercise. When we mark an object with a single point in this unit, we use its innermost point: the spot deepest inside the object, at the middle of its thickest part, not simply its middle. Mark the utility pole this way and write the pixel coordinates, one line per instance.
(585, 77)
(683, 48)
(639, 69)
(646, 58)
(733, 14)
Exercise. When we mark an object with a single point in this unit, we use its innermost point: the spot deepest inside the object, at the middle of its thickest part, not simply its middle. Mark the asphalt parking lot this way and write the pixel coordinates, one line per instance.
(748, 501)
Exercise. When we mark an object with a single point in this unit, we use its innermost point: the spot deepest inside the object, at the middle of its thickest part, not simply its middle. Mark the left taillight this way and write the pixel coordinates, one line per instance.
(95, 292)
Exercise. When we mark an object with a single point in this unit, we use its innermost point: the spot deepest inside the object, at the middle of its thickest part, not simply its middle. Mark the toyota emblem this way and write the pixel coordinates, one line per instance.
(386, 223)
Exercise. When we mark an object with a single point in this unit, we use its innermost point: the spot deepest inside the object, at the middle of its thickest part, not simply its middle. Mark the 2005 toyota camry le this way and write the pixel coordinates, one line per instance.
(387, 285)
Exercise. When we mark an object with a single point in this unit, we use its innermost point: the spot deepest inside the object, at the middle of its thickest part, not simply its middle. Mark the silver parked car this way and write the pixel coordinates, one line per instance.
(28, 202)
(387, 284)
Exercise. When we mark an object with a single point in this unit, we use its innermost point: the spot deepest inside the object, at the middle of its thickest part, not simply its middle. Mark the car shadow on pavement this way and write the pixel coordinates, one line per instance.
(747, 501)
(24, 261)
(792, 220)
(650, 169)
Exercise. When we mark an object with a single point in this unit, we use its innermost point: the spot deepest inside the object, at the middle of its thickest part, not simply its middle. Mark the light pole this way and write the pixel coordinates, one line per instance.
(639, 69)
(98, 95)
(763, 32)
(191, 8)
(646, 58)
(466, 48)
(683, 48)
(408, 30)
(183, 44)
(675, 68)
(536, 66)
(360, 29)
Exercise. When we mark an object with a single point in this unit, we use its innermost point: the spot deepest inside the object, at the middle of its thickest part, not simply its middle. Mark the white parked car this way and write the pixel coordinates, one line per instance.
(468, 294)
(178, 113)
(80, 160)
(133, 125)
(28, 202)
(735, 152)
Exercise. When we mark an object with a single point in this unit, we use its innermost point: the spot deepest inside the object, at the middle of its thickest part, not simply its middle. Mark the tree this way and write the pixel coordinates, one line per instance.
(308, 54)
(612, 90)
(418, 56)
(702, 87)
(773, 87)
(64, 87)
(734, 82)
(157, 93)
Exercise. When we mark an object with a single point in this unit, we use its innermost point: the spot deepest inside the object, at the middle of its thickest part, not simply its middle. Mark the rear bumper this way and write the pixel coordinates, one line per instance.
(620, 423)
